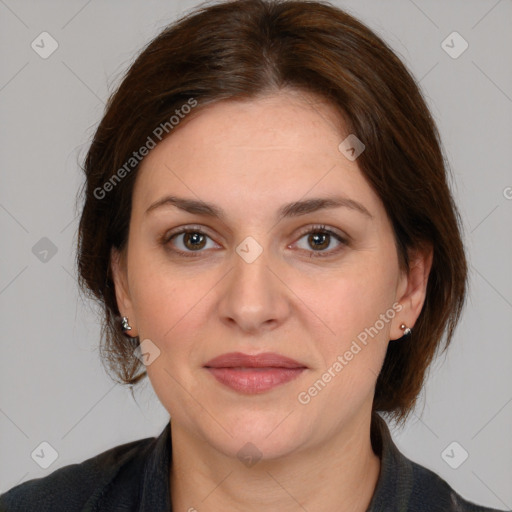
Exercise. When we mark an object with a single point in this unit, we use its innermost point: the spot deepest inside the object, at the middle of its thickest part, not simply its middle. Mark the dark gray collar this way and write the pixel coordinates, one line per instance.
(395, 482)
(156, 495)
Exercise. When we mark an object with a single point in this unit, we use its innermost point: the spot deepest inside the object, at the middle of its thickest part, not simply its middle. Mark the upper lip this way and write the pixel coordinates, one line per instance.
(265, 360)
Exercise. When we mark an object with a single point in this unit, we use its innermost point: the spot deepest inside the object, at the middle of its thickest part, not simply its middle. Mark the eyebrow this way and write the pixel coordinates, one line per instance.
(295, 209)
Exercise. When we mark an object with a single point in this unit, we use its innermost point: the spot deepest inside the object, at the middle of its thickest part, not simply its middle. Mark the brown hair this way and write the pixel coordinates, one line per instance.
(244, 48)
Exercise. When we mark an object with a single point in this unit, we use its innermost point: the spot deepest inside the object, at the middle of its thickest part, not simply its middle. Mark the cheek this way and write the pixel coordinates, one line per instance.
(162, 300)
(359, 309)
(169, 310)
(353, 300)
(346, 335)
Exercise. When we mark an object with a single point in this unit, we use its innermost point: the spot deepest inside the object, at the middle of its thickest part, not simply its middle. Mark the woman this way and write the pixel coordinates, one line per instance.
(268, 226)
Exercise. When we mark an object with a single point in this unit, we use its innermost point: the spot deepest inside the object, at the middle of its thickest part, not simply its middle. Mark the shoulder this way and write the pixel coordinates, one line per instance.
(408, 486)
(72, 487)
(429, 492)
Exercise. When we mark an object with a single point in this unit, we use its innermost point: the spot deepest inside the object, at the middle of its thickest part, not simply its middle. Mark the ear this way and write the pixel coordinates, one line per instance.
(122, 290)
(412, 289)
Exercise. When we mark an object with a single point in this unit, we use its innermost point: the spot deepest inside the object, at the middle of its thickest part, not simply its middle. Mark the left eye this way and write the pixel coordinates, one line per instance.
(320, 238)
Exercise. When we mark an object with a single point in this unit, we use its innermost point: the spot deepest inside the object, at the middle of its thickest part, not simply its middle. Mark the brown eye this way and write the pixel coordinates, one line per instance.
(186, 242)
(193, 240)
(319, 239)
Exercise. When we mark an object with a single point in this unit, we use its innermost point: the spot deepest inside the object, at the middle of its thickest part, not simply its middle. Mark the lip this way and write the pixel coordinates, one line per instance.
(251, 374)
(264, 360)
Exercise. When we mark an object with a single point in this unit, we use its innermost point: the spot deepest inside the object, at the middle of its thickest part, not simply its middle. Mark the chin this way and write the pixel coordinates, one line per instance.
(258, 435)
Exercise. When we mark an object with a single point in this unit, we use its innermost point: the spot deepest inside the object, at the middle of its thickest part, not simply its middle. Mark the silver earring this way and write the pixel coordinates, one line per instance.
(406, 330)
(125, 325)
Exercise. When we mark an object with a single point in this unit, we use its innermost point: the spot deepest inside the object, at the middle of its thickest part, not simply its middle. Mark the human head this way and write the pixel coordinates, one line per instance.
(247, 49)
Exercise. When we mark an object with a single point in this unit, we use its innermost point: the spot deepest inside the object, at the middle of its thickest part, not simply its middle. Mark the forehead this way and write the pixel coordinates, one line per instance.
(254, 153)
(286, 118)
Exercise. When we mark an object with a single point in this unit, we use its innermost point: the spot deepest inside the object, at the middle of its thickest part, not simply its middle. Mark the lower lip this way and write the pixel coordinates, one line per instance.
(254, 380)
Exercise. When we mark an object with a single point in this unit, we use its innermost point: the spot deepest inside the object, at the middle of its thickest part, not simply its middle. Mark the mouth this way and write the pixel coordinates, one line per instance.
(252, 374)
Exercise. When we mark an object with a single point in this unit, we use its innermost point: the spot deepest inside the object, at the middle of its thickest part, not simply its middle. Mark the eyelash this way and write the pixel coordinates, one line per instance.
(317, 229)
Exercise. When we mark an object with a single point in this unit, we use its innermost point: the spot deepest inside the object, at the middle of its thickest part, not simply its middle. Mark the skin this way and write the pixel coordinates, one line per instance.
(250, 158)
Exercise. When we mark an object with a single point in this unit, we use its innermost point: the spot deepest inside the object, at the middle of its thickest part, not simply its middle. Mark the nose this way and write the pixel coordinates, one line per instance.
(255, 297)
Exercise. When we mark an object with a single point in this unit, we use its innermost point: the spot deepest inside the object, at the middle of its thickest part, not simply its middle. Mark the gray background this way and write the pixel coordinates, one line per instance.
(53, 387)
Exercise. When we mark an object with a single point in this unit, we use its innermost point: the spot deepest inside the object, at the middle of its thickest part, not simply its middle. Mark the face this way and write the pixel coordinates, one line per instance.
(321, 286)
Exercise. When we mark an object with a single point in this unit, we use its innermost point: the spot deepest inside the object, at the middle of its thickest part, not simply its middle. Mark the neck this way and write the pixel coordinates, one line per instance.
(340, 475)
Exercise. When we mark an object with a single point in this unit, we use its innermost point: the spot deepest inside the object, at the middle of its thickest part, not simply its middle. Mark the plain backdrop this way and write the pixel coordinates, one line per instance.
(53, 387)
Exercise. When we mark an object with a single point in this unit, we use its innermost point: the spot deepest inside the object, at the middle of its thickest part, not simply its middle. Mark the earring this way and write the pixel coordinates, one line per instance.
(406, 330)
(125, 325)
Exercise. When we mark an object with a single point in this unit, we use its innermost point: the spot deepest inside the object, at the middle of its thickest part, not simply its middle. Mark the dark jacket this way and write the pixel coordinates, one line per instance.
(135, 477)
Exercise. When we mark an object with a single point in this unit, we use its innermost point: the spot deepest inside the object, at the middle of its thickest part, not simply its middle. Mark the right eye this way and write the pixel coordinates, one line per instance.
(188, 240)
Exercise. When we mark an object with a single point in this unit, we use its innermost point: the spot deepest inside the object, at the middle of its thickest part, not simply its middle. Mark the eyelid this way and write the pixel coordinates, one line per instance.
(180, 230)
(324, 228)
